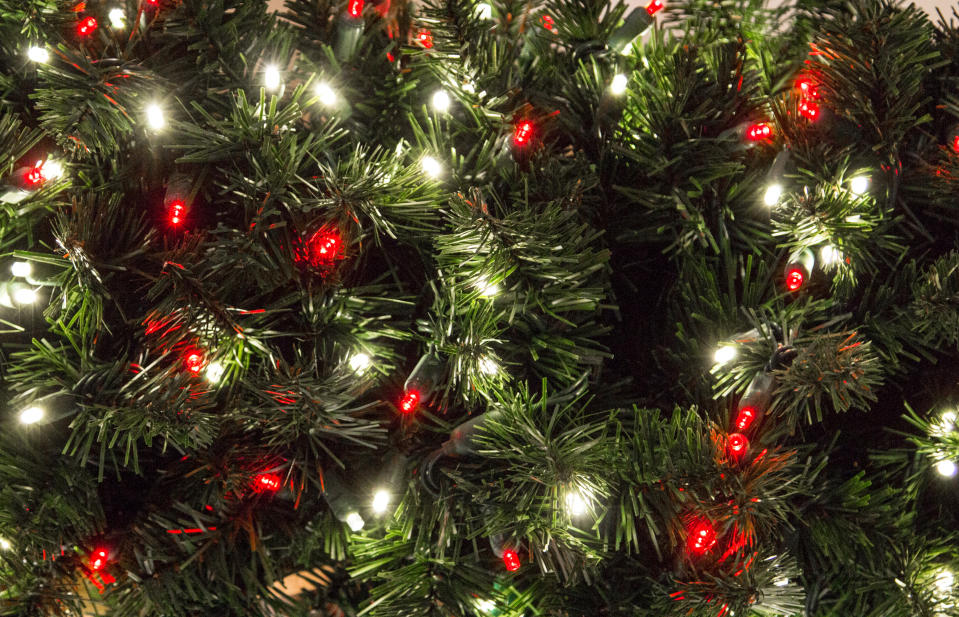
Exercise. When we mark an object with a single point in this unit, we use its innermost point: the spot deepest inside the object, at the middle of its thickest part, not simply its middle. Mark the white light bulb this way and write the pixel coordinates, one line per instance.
(38, 54)
(326, 94)
(441, 101)
(944, 582)
(486, 606)
(155, 117)
(948, 418)
(5, 544)
(485, 287)
(575, 503)
(488, 365)
(31, 415)
(431, 167)
(214, 372)
(381, 501)
(484, 11)
(25, 295)
(782, 581)
(946, 468)
(359, 362)
(52, 169)
(355, 521)
(618, 85)
(830, 255)
(21, 269)
(271, 77)
(724, 354)
(859, 185)
(118, 19)
(772, 195)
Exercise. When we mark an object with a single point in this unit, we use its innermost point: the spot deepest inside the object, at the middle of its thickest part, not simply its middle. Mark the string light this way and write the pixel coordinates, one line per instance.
(326, 94)
(266, 482)
(523, 133)
(859, 185)
(618, 85)
(483, 11)
(795, 277)
(177, 211)
(359, 362)
(946, 468)
(809, 110)
(944, 582)
(724, 354)
(773, 194)
(355, 8)
(21, 269)
(947, 422)
(25, 295)
(214, 372)
(830, 255)
(485, 287)
(425, 39)
(38, 54)
(98, 560)
(745, 418)
(5, 544)
(701, 537)
(194, 360)
(31, 415)
(431, 167)
(576, 504)
(271, 77)
(759, 132)
(411, 398)
(118, 19)
(738, 444)
(355, 521)
(87, 26)
(488, 366)
(155, 117)
(654, 7)
(511, 560)
(381, 501)
(441, 101)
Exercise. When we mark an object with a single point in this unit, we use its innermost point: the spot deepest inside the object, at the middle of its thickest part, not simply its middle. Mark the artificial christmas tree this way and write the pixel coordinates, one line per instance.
(478, 308)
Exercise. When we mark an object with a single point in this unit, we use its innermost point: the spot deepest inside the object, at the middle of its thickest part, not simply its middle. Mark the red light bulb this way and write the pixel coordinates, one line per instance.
(745, 418)
(35, 176)
(266, 482)
(794, 278)
(654, 7)
(523, 133)
(701, 538)
(324, 247)
(547, 22)
(411, 398)
(807, 89)
(758, 132)
(153, 2)
(809, 110)
(738, 444)
(511, 560)
(955, 143)
(177, 212)
(98, 559)
(194, 361)
(425, 39)
(355, 8)
(86, 26)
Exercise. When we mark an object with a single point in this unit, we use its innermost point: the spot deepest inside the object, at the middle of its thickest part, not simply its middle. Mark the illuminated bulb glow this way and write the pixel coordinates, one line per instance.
(381, 501)
(759, 132)
(486, 606)
(859, 185)
(118, 19)
(955, 143)
(745, 418)
(947, 421)
(441, 101)
(701, 538)
(359, 362)
(830, 255)
(511, 560)
(809, 110)
(355, 521)
(25, 295)
(773, 194)
(86, 26)
(38, 54)
(575, 503)
(355, 8)
(431, 166)
(155, 117)
(5, 544)
(547, 22)
(807, 88)
(326, 94)
(411, 398)
(266, 482)
(425, 39)
(194, 361)
(324, 248)
(523, 133)
(654, 7)
(944, 582)
(177, 211)
(485, 287)
(98, 559)
(738, 444)
(31, 415)
(795, 278)
(484, 11)
(21, 269)
(619, 83)
(214, 372)
(271, 77)
(43, 171)
(724, 354)
(946, 468)
(488, 366)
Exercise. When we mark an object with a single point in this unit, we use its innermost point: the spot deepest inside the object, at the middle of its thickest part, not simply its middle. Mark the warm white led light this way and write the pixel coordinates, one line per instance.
(359, 362)
(945, 581)
(25, 295)
(948, 420)
(21, 269)
(38, 54)
(214, 372)
(773, 194)
(724, 354)
(431, 167)
(576, 505)
(31, 415)
(485, 287)
(326, 94)
(118, 19)
(484, 11)
(5, 544)
(946, 468)
(830, 255)
(859, 185)
(155, 117)
(381, 501)
(618, 85)
(355, 521)
(271, 77)
(52, 169)
(441, 101)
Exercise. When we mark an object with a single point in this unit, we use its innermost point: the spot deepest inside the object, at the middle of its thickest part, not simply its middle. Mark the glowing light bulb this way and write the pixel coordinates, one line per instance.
(619, 83)
(773, 194)
(118, 19)
(359, 362)
(576, 504)
(326, 94)
(523, 133)
(701, 537)
(425, 39)
(214, 372)
(488, 366)
(98, 560)
(38, 54)
(946, 468)
(724, 354)
(381, 501)
(654, 7)
(759, 132)
(945, 581)
(738, 444)
(411, 398)
(355, 521)
(87, 26)
(355, 8)
(745, 418)
(52, 169)
(155, 117)
(483, 11)
(485, 606)
(947, 421)
(431, 167)
(830, 255)
(25, 295)
(795, 278)
(5, 544)
(486, 288)
(31, 415)
(859, 185)
(511, 560)
(21, 269)
(266, 482)
(194, 361)
(271, 77)
(441, 101)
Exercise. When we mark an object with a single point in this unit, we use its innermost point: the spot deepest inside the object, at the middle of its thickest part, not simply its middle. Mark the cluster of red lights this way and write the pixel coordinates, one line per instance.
(759, 132)
(547, 22)
(87, 26)
(355, 8)
(795, 277)
(267, 483)
(654, 7)
(808, 92)
(523, 133)
(409, 402)
(425, 39)
(34, 176)
(511, 560)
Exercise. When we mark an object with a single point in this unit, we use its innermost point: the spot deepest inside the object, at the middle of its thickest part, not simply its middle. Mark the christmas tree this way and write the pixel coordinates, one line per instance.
(478, 308)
